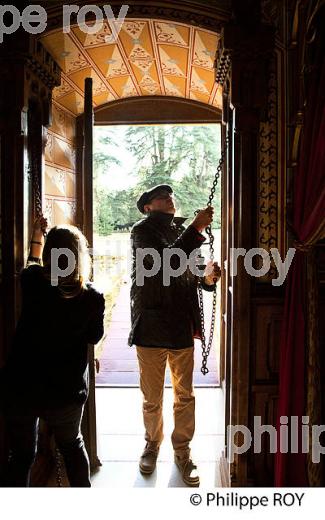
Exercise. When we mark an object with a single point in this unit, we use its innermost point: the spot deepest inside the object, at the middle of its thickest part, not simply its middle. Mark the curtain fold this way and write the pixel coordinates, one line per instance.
(299, 385)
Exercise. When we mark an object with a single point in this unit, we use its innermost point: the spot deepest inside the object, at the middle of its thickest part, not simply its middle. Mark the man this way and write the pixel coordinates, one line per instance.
(165, 321)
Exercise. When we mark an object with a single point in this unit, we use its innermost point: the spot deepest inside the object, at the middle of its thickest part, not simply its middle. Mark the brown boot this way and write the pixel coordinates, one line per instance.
(188, 471)
(148, 459)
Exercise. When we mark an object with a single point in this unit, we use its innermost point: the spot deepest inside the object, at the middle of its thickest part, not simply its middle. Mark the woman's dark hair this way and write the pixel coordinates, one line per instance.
(68, 237)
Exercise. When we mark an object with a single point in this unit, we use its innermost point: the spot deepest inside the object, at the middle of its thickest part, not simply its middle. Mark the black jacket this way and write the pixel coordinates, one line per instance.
(48, 362)
(165, 316)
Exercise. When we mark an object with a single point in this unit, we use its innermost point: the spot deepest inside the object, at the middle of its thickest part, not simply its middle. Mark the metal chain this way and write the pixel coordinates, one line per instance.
(58, 467)
(206, 347)
(37, 195)
(33, 174)
(37, 192)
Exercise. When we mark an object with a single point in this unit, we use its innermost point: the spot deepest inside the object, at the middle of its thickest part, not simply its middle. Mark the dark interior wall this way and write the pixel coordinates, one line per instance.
(251, 64)
(27, 77)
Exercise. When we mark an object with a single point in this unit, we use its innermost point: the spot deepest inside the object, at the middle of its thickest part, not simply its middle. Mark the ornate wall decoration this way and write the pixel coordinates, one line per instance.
(171, 70)
(169, 65)
(273, 13)
(222, 63)
(72, 208)
(133, 28)
(168, 33)
(49, 148)
(203, 57)
(171, 53)
(93, 40)
(202, 13)
(63, 89)
(148, 84)
(171, 89)
(116, 65)
(76, 63)
(198, 84)
(141, 58)
(146, 53)
(60, 168)
(267, 203)
(128, 89)
(99, 88)
(48, 211)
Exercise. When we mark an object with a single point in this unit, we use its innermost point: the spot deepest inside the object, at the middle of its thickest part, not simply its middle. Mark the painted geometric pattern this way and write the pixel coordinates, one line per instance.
(149, 57)
(60, 168)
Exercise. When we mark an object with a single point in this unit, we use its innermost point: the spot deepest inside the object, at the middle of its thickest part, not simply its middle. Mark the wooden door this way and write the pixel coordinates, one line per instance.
(226, 283)
(85, 222)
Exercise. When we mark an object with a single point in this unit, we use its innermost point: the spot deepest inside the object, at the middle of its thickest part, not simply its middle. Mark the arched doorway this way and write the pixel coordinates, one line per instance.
(252, 65)
(170, 60)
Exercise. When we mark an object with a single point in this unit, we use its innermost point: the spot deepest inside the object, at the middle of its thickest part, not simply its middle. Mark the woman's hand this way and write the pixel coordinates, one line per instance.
(40, 226)
(37, 240)
(213, 273)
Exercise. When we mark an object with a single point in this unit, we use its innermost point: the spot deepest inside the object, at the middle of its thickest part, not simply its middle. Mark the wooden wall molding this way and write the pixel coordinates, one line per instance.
(156, 109)
(244, 56)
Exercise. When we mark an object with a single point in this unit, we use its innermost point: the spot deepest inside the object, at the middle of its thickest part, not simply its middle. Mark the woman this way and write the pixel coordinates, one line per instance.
(46, 375)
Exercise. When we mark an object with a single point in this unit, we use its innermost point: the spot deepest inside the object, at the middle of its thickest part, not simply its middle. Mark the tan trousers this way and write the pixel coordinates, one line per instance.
(152, 365)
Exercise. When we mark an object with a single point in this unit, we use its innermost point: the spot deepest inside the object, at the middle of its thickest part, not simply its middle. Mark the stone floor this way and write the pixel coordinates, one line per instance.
(120, 439)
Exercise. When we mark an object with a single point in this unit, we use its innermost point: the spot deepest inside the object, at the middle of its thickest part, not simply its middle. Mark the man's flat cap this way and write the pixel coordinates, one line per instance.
(147, 196)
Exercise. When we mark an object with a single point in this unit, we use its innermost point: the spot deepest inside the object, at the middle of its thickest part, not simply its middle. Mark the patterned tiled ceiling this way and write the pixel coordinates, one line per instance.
(150, 57)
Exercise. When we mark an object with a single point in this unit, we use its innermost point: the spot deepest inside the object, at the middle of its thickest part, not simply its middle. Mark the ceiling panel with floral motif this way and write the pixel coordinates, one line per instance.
(150, 57)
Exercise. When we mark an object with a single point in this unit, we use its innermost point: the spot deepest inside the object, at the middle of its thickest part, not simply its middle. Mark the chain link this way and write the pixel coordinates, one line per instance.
(37, 195)
(206, 346)
(33, 172)
(37, 192)
(58, 467)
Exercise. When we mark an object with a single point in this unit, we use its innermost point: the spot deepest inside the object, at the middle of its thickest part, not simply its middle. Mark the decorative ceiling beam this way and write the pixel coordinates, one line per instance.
(157, 57)
(193, 12)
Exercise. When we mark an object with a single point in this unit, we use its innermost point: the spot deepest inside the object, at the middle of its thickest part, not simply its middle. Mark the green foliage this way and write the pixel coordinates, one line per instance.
(184, 156)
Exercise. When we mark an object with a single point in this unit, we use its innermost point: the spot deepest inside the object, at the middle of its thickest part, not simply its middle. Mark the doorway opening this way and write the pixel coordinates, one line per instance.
(128, 159)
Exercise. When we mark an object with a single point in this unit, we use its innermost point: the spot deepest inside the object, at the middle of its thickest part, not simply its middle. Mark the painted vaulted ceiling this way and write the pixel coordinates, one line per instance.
(149, 57)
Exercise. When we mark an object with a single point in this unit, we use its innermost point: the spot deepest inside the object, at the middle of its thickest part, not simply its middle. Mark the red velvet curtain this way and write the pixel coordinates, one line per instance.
(308, 223)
